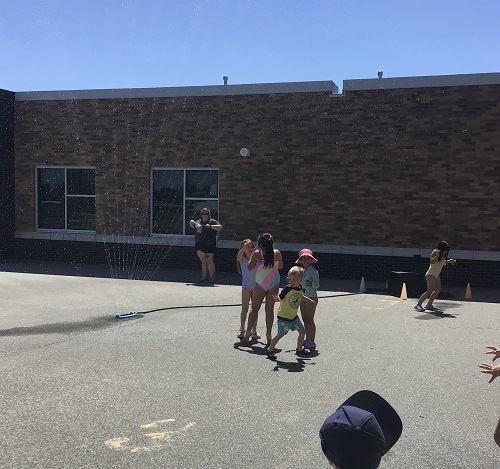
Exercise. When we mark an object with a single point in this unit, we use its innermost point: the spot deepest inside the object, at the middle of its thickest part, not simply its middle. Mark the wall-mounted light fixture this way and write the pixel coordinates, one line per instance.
(244, 152)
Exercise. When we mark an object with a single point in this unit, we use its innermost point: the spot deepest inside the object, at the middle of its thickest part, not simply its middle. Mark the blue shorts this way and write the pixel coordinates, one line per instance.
(286, 325)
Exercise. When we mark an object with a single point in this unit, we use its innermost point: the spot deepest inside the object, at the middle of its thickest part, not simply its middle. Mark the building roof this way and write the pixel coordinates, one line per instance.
(327, 86)
(435, 81)
(185, 91)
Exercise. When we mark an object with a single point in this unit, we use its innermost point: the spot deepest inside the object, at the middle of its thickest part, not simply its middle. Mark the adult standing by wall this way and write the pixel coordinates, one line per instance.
(205, 241)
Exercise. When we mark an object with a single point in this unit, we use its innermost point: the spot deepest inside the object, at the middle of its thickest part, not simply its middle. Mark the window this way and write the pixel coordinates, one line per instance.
(178, 195)
(66, 199)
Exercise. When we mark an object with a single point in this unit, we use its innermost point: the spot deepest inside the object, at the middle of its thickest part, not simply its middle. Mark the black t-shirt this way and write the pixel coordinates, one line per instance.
(204, 235)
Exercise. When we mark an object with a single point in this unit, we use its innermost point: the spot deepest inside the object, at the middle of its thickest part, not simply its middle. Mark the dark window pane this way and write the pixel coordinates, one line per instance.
(51, 215)
(168, 196)
(51, 198)
(81, 213)
(202, 184)
(81, 181)
(51, 184)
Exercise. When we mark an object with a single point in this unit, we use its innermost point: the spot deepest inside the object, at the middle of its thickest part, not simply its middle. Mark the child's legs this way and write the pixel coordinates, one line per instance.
(431, 283)
(245, 305)
(269, 307)
(273, 343)
(307, 311)
(300, 339)
(436, 292)
(204, 266)
(258, 295)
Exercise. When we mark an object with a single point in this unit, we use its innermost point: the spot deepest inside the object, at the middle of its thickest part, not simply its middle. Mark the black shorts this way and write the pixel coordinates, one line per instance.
(207, 249)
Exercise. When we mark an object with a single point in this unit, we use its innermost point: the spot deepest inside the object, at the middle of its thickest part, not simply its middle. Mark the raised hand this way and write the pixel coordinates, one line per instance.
(493, 351)
(493, 370)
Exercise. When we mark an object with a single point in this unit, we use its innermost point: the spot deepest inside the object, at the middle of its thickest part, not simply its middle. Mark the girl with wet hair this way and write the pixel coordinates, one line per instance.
(439, 258)
(267, 244)
(266, 261)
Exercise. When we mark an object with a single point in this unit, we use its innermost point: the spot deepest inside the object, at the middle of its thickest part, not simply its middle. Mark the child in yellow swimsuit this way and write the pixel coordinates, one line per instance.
(439, 258)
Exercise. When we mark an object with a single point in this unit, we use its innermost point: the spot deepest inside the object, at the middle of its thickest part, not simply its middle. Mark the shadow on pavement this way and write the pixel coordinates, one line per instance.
(61, 327)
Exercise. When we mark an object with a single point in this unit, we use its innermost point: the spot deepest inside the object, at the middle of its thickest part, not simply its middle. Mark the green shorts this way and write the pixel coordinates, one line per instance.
(286, 325)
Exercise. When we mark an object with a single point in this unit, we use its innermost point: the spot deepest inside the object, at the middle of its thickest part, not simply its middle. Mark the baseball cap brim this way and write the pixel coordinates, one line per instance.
(386, 415)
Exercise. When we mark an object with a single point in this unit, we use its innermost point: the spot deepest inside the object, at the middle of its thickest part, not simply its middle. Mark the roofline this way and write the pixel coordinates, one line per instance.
(435, 81)
(185, 91)
(327, 86)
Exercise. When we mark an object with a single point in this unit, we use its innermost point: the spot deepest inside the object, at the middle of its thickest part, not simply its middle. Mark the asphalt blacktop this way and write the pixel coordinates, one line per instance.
(174, 388)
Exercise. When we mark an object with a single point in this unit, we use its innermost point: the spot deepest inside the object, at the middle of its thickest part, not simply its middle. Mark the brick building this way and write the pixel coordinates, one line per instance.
(370, 178)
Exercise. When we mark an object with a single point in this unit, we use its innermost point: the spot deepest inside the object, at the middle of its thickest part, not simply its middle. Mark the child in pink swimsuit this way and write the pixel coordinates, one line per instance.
(267, 261)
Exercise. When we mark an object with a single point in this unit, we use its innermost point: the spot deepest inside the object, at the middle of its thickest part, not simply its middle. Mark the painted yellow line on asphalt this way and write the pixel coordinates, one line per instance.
(116, 443)
(145, 442)
(155, 424)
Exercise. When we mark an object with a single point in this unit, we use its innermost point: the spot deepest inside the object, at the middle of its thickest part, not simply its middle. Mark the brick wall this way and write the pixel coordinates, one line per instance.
(396, 168)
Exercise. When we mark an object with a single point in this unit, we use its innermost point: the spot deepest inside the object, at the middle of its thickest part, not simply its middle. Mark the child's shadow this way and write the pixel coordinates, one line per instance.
(251, 347)
(299, 365)
(292, 367)
(435, 315)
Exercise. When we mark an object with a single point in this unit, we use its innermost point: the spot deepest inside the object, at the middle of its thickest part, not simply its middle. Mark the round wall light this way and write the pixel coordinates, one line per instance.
(244, 152)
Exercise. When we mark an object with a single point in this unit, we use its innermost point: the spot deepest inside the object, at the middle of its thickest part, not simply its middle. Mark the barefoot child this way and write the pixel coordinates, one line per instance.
(310, 284)
(247, 285)
(267, 262)
(439, 258)
(289, 299)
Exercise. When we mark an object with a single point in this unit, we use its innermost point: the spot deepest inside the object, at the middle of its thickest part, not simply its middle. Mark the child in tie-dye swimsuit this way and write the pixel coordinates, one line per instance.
(267, 261)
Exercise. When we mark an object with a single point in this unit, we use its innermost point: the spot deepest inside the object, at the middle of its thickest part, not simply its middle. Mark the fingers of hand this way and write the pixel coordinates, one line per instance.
(486, 368)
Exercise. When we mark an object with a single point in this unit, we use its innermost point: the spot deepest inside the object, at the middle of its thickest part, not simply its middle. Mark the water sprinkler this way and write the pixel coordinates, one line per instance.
(132, 314)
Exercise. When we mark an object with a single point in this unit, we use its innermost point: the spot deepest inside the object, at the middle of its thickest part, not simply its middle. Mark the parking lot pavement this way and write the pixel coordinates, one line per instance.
(174, 387)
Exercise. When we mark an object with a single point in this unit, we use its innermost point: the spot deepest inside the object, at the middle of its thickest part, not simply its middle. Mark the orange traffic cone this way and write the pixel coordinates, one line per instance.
(404, 295)
(468, 292)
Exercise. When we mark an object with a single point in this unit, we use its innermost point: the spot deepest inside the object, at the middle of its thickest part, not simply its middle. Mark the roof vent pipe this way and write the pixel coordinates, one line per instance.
(380, 73)
(225, 77)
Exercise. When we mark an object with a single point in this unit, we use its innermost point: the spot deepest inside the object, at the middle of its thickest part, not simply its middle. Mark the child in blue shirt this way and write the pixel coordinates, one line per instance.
(310, 283)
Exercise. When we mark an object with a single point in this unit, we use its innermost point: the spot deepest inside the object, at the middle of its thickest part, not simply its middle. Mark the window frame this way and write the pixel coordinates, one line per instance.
(184, 199)
(66, 196)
